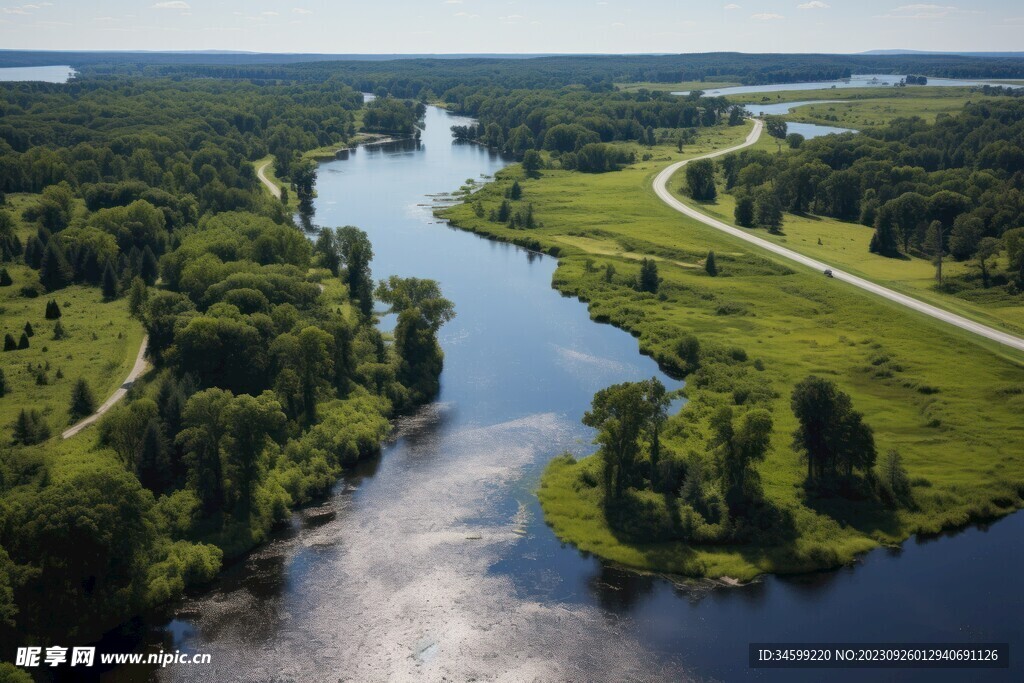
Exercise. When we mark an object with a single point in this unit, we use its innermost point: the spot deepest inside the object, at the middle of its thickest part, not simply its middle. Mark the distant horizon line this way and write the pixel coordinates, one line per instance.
(878, 52)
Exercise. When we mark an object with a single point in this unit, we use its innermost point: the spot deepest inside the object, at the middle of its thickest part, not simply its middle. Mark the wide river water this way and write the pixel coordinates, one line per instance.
(433, 562)
(854, 81)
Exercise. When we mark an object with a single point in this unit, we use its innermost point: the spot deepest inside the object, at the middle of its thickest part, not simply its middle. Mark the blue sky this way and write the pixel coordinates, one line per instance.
(444, 26)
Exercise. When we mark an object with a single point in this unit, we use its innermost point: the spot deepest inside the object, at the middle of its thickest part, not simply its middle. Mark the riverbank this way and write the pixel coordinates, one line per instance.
(948, 404)
(274, 185)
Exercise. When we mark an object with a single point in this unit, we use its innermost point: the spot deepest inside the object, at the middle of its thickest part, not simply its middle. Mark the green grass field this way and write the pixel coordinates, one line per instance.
(948, 401)
(846, 246)
(101, 344)
(868, 107)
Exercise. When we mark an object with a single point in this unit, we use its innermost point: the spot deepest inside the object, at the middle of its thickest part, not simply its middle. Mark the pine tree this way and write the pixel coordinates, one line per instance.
(884, 240)
(29, 331)
(23, 342)
(149, 270)
(504, 212)
(9, 343)
(138, 294)
(528, 221)
(54, 270)
(152, 465)
(3, 383)
(648, 280)
(30, 427)
(33, 252)
(515, 192)
(52, 310)
(935, 243)
(109, 283)
(710, 267)
(82, 401)
(5, 278)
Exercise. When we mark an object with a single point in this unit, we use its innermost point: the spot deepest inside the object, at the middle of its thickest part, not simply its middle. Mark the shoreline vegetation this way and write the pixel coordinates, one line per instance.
(742, 349)
(131, 205)
(269, 378)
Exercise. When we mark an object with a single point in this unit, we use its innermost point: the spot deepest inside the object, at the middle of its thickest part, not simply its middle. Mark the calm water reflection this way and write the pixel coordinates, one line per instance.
(434, 561)
(46, 74)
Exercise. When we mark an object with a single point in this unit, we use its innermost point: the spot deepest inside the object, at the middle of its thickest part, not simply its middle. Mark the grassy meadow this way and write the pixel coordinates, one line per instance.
(948, 401)
(868, 107)
(846, 246)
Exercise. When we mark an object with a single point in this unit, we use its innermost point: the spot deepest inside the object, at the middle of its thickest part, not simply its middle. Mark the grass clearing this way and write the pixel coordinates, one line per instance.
(950, 402)
(101, 344)
(846, 246)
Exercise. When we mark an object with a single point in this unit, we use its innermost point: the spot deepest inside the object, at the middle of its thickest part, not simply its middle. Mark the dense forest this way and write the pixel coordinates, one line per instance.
(411, 77)
(951, 188)
(568, 119)
(269, 375)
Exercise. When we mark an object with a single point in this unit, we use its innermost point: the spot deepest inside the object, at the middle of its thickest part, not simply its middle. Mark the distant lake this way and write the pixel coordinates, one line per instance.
(45, 74)
(855, 81)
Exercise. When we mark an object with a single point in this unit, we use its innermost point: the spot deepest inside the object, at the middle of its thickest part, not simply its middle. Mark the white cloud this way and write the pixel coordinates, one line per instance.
(924, 11)
(174, 4)
(301, 10)
(732, 6)
(14, 10)
(453, 2)
(269, 14)
(814, 4)
(766, 16)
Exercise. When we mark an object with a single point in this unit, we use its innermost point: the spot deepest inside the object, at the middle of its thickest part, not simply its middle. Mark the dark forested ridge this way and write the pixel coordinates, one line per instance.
(408, 77)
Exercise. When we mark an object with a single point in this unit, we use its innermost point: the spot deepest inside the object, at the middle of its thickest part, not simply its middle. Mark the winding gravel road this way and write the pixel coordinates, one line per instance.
(661, 189)
(137, 370)
(260, 173)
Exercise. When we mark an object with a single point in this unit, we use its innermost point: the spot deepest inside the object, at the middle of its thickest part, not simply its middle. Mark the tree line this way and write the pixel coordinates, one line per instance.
(263, 388)
(952, 188)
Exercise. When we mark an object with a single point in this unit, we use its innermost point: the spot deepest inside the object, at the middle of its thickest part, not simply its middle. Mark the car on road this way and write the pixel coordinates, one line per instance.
(828, 272)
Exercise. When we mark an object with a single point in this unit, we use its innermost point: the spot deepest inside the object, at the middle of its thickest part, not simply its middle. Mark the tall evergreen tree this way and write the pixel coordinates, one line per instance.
(23, 342)
(9, 343)
(648, 280)
(54, 270)
(52, 310)
(149, 268)
(153, 465)
(110, 284)
(83, 403)
(710, 267)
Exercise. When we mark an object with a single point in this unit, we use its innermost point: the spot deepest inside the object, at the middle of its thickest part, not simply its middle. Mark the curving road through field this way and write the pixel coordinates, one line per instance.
(136, 372)
(661, 189)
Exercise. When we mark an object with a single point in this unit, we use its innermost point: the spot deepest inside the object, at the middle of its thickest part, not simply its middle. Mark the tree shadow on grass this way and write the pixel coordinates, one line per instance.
(866, 515)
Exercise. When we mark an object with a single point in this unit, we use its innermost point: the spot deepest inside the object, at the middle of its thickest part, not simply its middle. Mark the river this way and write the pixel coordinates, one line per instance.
(854, 81)
(44, 74)
(433, 561)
